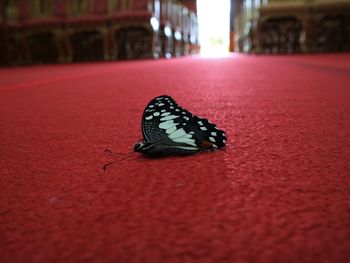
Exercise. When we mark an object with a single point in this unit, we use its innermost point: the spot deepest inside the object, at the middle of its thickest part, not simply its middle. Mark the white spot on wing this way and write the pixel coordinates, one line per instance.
(170, 117)
(203, 128)
(185, 140)
(188, 148)
(161, 104)
(186, 118)
(171, 130)
(165, 113)
(200, 123)
(212, 139)
(149, 117)
(167, 124)
(224, 141)
(213, 133)
(178, 133)
(156, 113)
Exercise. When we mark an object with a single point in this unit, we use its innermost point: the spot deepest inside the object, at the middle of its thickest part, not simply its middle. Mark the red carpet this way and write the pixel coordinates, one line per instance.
(279, 192)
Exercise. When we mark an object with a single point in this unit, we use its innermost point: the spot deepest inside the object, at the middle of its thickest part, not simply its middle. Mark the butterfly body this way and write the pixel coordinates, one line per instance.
(169, 129)
(160, 149)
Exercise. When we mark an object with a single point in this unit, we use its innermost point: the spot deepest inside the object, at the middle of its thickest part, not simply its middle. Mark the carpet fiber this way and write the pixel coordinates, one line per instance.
(279, 191)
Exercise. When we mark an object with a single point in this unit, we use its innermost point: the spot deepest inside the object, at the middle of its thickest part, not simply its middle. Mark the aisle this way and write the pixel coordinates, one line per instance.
(278, 192)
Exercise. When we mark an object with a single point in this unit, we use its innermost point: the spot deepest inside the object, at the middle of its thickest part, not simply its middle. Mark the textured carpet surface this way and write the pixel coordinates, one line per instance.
(279, 192)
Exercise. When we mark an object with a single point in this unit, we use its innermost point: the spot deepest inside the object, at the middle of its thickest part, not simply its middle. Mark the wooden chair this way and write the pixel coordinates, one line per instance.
(194, 44)
(186, 29)
(135, 30)
(281, 28)
(176, 22)
(43, 32)
(16, 44)
(332, 26)
(87, 30)
(281, 35)
(165, 29)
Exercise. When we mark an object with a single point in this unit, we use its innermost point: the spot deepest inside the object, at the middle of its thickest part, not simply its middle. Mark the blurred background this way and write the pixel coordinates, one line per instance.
(64, 31)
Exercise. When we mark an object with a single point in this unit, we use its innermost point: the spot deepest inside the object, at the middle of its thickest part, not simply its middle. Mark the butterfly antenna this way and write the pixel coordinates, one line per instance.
(128, 155)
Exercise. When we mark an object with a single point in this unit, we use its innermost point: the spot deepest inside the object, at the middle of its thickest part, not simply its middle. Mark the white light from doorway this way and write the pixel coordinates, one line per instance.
(214, 27)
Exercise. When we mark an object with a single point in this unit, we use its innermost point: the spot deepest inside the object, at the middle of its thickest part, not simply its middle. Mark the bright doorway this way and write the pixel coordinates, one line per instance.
(214, 27)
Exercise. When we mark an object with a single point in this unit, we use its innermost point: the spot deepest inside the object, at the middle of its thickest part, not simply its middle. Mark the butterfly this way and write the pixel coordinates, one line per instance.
(169, 129)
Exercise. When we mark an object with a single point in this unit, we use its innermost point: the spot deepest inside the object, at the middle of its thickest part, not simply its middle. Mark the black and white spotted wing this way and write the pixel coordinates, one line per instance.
(168, 128)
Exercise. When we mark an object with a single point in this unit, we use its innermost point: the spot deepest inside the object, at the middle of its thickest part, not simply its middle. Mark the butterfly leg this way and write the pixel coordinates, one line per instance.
(108, 151)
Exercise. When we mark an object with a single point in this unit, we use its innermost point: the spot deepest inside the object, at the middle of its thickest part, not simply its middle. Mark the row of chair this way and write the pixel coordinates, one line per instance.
(45, 31)
(299, 28)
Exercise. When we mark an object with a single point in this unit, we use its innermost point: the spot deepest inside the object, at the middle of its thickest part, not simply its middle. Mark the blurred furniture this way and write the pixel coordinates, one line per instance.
(42, 31)
(86, 30)
(279, 29)
(52, 31)
(304, 26)
(332, 26)
(135, 30)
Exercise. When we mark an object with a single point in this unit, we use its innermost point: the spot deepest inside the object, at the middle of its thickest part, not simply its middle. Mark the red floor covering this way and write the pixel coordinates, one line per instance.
(279, 192)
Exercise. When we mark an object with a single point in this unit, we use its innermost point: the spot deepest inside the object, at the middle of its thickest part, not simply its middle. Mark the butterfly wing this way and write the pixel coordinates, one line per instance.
(166, 123)
(206, 134)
